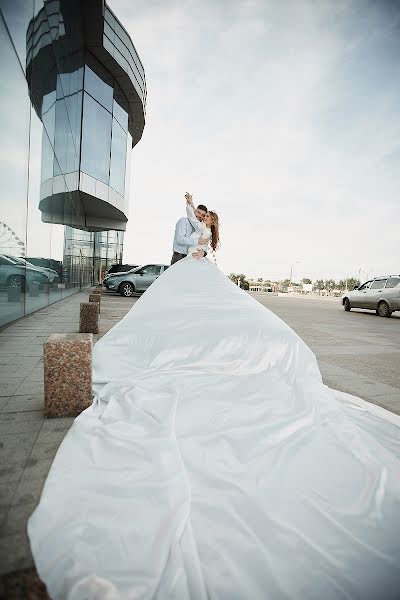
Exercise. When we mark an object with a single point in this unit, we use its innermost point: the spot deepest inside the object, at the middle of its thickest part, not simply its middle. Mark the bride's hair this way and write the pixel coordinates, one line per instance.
(214, 230)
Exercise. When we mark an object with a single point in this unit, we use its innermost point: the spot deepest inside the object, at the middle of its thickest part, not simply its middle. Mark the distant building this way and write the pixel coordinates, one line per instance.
(261, 286)
(307, 287)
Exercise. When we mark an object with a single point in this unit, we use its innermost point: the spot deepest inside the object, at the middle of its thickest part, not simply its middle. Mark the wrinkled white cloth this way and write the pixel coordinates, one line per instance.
(215, 464)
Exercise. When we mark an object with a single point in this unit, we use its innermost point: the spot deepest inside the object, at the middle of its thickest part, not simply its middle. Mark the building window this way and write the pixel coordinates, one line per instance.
(98, 89)
(67, 134)
(96, 140)
(118, 158)
(121, 115)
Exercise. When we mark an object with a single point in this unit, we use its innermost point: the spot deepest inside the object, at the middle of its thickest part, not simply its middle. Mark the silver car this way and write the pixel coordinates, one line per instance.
(381, 294)
(136, 280)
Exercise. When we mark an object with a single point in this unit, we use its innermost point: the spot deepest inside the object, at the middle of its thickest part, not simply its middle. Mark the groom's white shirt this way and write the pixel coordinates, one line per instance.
(182, 239)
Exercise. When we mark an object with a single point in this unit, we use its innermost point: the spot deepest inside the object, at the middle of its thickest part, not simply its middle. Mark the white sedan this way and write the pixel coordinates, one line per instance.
(381, 294)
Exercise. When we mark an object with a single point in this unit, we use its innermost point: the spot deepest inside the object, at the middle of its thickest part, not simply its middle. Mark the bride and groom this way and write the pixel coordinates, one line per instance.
(215, 464)
(195, 231)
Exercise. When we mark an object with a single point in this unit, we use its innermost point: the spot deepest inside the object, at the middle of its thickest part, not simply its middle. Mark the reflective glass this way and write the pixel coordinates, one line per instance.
(67, 133)
(393, 282)
(97, 88)
(48, 119)
(17, 14)
(121, 115)
(14, 126)
(118, 158)
(96, 140)
(109, 32)
(44, 255)
(378, 284)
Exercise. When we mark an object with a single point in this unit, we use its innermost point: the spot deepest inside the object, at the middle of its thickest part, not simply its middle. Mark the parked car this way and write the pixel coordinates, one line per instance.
(47, 263)
(381, 294)
(119, 269)
(15, 274)
(49, 274)
(136, 280)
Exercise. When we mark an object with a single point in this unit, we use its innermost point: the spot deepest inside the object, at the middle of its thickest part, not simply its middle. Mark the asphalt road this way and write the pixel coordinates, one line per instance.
(357, 351)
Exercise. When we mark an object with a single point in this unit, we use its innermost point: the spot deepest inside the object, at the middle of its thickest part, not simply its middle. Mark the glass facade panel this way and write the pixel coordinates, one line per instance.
(118, 158)
(96, 140)
(67, 133)
(98, 89)
(121, 115)
(48, 119)
(14, 126)
(55, 136)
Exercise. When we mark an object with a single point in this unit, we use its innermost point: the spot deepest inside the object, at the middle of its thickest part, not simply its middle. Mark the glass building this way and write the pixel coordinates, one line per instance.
(73, 97)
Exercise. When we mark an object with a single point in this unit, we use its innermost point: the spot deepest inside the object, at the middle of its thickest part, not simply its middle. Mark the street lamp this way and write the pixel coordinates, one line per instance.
(291, 270)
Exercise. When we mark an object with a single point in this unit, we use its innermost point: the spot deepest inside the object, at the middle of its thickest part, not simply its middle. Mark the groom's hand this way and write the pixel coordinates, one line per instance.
(199, 254)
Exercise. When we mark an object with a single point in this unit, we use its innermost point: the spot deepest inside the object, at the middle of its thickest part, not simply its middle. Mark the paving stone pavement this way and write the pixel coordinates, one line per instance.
(28, 441)
(357, 352)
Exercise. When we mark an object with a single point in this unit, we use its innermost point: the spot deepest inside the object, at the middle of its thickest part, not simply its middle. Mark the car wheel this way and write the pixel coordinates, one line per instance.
(126, 289)
(383, 309)
(16, 281)
(346, 304)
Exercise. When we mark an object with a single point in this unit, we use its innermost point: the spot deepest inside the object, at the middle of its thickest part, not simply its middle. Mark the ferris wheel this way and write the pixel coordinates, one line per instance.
(10, 243)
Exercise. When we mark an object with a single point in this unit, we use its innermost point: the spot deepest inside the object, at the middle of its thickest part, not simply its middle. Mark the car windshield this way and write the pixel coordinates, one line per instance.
(15, 260)
(122, 273)
(135, 269)
(8, 259)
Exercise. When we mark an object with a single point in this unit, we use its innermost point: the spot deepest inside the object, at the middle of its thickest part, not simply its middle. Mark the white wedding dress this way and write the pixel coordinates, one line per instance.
(215, 464)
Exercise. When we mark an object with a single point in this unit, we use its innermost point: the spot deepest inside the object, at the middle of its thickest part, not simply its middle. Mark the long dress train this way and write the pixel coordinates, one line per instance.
(215, 464)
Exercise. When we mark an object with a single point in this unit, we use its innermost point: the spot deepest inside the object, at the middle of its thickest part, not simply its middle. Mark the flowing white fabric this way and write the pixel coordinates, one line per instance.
(214, 463)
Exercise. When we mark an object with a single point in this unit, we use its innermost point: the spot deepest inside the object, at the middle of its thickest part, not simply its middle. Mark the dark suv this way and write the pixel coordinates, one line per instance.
(119, 269)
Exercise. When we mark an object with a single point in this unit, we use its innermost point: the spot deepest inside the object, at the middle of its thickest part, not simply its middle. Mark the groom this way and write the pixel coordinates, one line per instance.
(182, 239)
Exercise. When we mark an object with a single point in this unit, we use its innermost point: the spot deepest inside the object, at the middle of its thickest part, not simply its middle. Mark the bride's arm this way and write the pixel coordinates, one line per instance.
(198, 225)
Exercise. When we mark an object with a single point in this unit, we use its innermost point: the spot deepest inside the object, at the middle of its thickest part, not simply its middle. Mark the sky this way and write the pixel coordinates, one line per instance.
(283, 116)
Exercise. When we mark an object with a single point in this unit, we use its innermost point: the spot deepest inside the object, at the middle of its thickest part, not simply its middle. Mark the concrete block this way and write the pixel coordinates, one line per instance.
(89, 317)
(67, 374)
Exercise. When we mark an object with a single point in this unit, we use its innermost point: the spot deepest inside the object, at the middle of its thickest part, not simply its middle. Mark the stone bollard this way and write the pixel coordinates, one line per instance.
(88, 318)
(95, 298)
(67, 374)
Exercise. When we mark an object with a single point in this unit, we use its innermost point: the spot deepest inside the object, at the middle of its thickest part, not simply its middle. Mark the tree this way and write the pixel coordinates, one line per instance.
(330, 284)
(306, 280)
(352, 282)
(283, 285)
(319, 284)
(235, 277)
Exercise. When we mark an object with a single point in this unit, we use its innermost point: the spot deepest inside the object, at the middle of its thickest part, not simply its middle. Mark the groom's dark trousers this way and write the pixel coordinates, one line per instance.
(176, 256)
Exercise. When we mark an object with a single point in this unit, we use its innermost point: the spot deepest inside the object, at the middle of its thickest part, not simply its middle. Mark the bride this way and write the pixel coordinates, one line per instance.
(215, 464)
(205, 232)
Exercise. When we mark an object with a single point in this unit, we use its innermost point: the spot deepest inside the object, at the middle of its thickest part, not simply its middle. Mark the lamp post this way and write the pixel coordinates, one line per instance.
(291, 270)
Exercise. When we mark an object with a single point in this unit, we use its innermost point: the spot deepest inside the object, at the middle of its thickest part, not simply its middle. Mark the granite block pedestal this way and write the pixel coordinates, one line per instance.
(67, 374)
(95, 298)
(89, 317)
